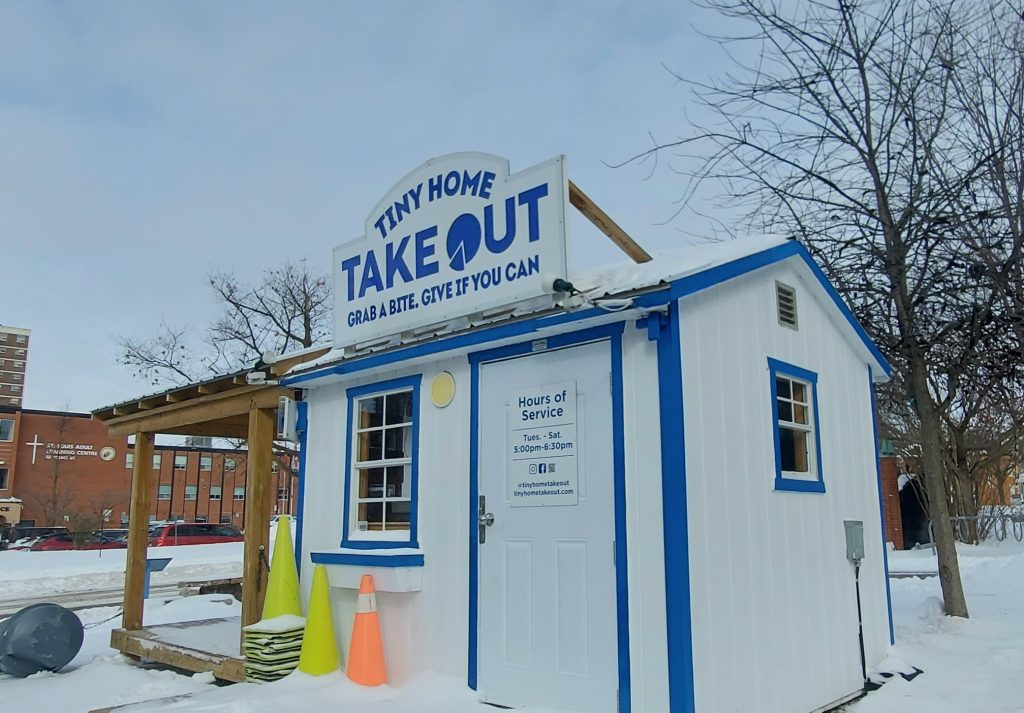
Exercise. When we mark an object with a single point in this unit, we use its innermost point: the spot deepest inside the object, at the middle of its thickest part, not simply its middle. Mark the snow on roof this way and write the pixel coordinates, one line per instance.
(669, 265)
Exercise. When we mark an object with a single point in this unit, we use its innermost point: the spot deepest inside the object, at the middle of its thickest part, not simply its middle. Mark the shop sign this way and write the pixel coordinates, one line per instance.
(456, 236)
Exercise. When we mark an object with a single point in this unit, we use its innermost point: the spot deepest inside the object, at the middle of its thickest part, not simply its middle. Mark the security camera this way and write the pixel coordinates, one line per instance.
(552, 284)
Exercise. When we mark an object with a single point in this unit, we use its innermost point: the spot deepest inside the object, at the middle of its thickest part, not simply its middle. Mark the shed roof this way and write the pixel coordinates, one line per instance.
(672, 274)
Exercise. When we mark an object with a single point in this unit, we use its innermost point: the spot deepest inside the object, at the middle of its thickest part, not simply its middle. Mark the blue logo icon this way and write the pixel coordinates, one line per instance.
(463, 241)
(543, 467)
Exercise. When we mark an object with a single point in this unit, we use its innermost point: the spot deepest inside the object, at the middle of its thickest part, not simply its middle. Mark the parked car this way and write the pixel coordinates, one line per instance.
(192, 533)
(22, 537)
(65, 541)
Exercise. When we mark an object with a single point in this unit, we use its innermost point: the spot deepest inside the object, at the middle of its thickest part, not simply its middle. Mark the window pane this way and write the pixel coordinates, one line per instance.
(397, 515)
(371, 483)
(785, 411)
(800, 414)
(799, 392)
(399, 408)
(398, 442)
(229, 464)
(793, 447)
(782, 387)
(396, 487)
(7, 429)
(371, 516)
(371, 446)
(371, 412)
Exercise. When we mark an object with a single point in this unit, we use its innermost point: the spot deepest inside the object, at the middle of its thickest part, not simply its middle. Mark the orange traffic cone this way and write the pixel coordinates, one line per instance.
(366, 652)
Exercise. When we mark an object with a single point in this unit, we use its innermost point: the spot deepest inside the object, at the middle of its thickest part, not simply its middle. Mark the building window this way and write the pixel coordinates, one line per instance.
(273, 466)
(4, 472)
(214, 492)
(383, 439)
(205, 463)
(18, 364)
(15, 388)
(225, 519)
(240, 492)
(6, 429)
(180, 462)
(163, 492)
(229, 464)
(201, 518)
(20, 338)
(282, 493)
(14, 400)
(190, 492)
(795, 426)
(156, 461)
(16, 376)
(129, 460)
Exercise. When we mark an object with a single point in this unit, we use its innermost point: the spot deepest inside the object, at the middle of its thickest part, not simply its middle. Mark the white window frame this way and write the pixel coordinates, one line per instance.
(161, 493)
(354, 534)
(191, 492)
(216, 492)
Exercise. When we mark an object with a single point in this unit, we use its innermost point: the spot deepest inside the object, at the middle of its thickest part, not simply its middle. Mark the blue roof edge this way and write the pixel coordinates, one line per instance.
(677, 288)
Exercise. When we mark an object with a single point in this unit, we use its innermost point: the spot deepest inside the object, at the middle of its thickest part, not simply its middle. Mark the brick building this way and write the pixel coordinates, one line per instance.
(13, 361)
(59, 468)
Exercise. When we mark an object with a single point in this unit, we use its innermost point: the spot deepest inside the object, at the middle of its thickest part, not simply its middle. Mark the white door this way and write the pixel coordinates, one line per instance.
(547, 607)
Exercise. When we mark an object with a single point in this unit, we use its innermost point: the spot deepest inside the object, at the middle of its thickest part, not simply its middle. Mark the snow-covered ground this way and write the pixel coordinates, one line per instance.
(970, 666)
(29, 574)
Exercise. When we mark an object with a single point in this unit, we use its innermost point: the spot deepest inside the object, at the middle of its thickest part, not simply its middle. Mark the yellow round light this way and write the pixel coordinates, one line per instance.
(442, 389)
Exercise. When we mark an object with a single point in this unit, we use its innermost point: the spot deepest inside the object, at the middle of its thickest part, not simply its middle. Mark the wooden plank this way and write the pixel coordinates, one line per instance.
(225, 404)
(258, 499)
(284, 364)
(138, 531)
(592, 212)
(225, 428)
(143, 644)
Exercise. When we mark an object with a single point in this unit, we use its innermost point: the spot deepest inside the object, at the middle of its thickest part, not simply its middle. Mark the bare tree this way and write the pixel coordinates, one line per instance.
(288, 309)
(846, 130)
(56, 500)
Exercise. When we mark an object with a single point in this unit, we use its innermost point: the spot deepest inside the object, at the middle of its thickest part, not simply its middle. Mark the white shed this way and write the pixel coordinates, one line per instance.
(631, 495)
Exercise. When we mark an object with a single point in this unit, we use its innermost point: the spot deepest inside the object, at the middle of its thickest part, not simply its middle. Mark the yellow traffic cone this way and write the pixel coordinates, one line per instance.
(319, 647)
(283, 586)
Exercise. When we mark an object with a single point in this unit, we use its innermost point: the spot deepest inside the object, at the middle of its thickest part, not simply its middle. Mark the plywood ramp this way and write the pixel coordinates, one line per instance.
(169, 644)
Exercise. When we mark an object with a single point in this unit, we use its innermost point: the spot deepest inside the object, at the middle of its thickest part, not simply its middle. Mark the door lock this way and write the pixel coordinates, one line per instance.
(484, 519)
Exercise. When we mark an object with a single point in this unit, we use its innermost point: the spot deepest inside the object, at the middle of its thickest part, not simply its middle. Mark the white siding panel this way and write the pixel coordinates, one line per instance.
(425, 630)
(773, 599)
(648, 646)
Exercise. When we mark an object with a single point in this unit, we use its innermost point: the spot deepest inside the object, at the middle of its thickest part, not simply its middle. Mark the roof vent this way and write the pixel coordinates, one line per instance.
(785, 299)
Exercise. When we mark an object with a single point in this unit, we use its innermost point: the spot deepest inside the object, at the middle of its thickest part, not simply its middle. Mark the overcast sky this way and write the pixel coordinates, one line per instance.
(143, 144)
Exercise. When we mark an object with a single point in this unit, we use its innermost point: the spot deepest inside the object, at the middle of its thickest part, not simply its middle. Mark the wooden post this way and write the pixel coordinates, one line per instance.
(138, 531)
(258, 498)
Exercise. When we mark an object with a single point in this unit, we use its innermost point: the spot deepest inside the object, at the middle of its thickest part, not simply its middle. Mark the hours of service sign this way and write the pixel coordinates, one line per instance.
(541, 467)
(456, 236)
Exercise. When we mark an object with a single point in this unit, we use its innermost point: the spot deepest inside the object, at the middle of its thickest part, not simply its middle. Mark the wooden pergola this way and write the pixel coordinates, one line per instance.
(225, 407)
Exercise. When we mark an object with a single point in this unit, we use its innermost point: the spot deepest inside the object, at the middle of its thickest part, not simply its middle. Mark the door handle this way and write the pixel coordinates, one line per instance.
(484, 519)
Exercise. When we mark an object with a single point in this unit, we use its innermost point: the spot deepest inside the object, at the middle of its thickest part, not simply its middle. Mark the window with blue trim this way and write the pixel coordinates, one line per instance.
(382, 464)
(795, 425)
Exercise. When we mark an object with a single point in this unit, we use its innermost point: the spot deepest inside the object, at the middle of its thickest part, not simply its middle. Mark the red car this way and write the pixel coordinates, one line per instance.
(64, 541)
(193, 533)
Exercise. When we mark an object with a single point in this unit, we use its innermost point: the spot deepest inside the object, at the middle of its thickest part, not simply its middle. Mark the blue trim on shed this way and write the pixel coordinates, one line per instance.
(678, 622)
(776, 367)
(302, 424)
(613, 333)
(367, 560)
(405, 382)
(881, 504)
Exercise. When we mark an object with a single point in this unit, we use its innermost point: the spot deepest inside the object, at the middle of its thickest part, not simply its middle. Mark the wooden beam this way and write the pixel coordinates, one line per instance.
(258, 498)
(138, 531)
(173, 398)
(214, 407)
(283, 365)
(216, 429)
(592, 212)
(206, 389)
